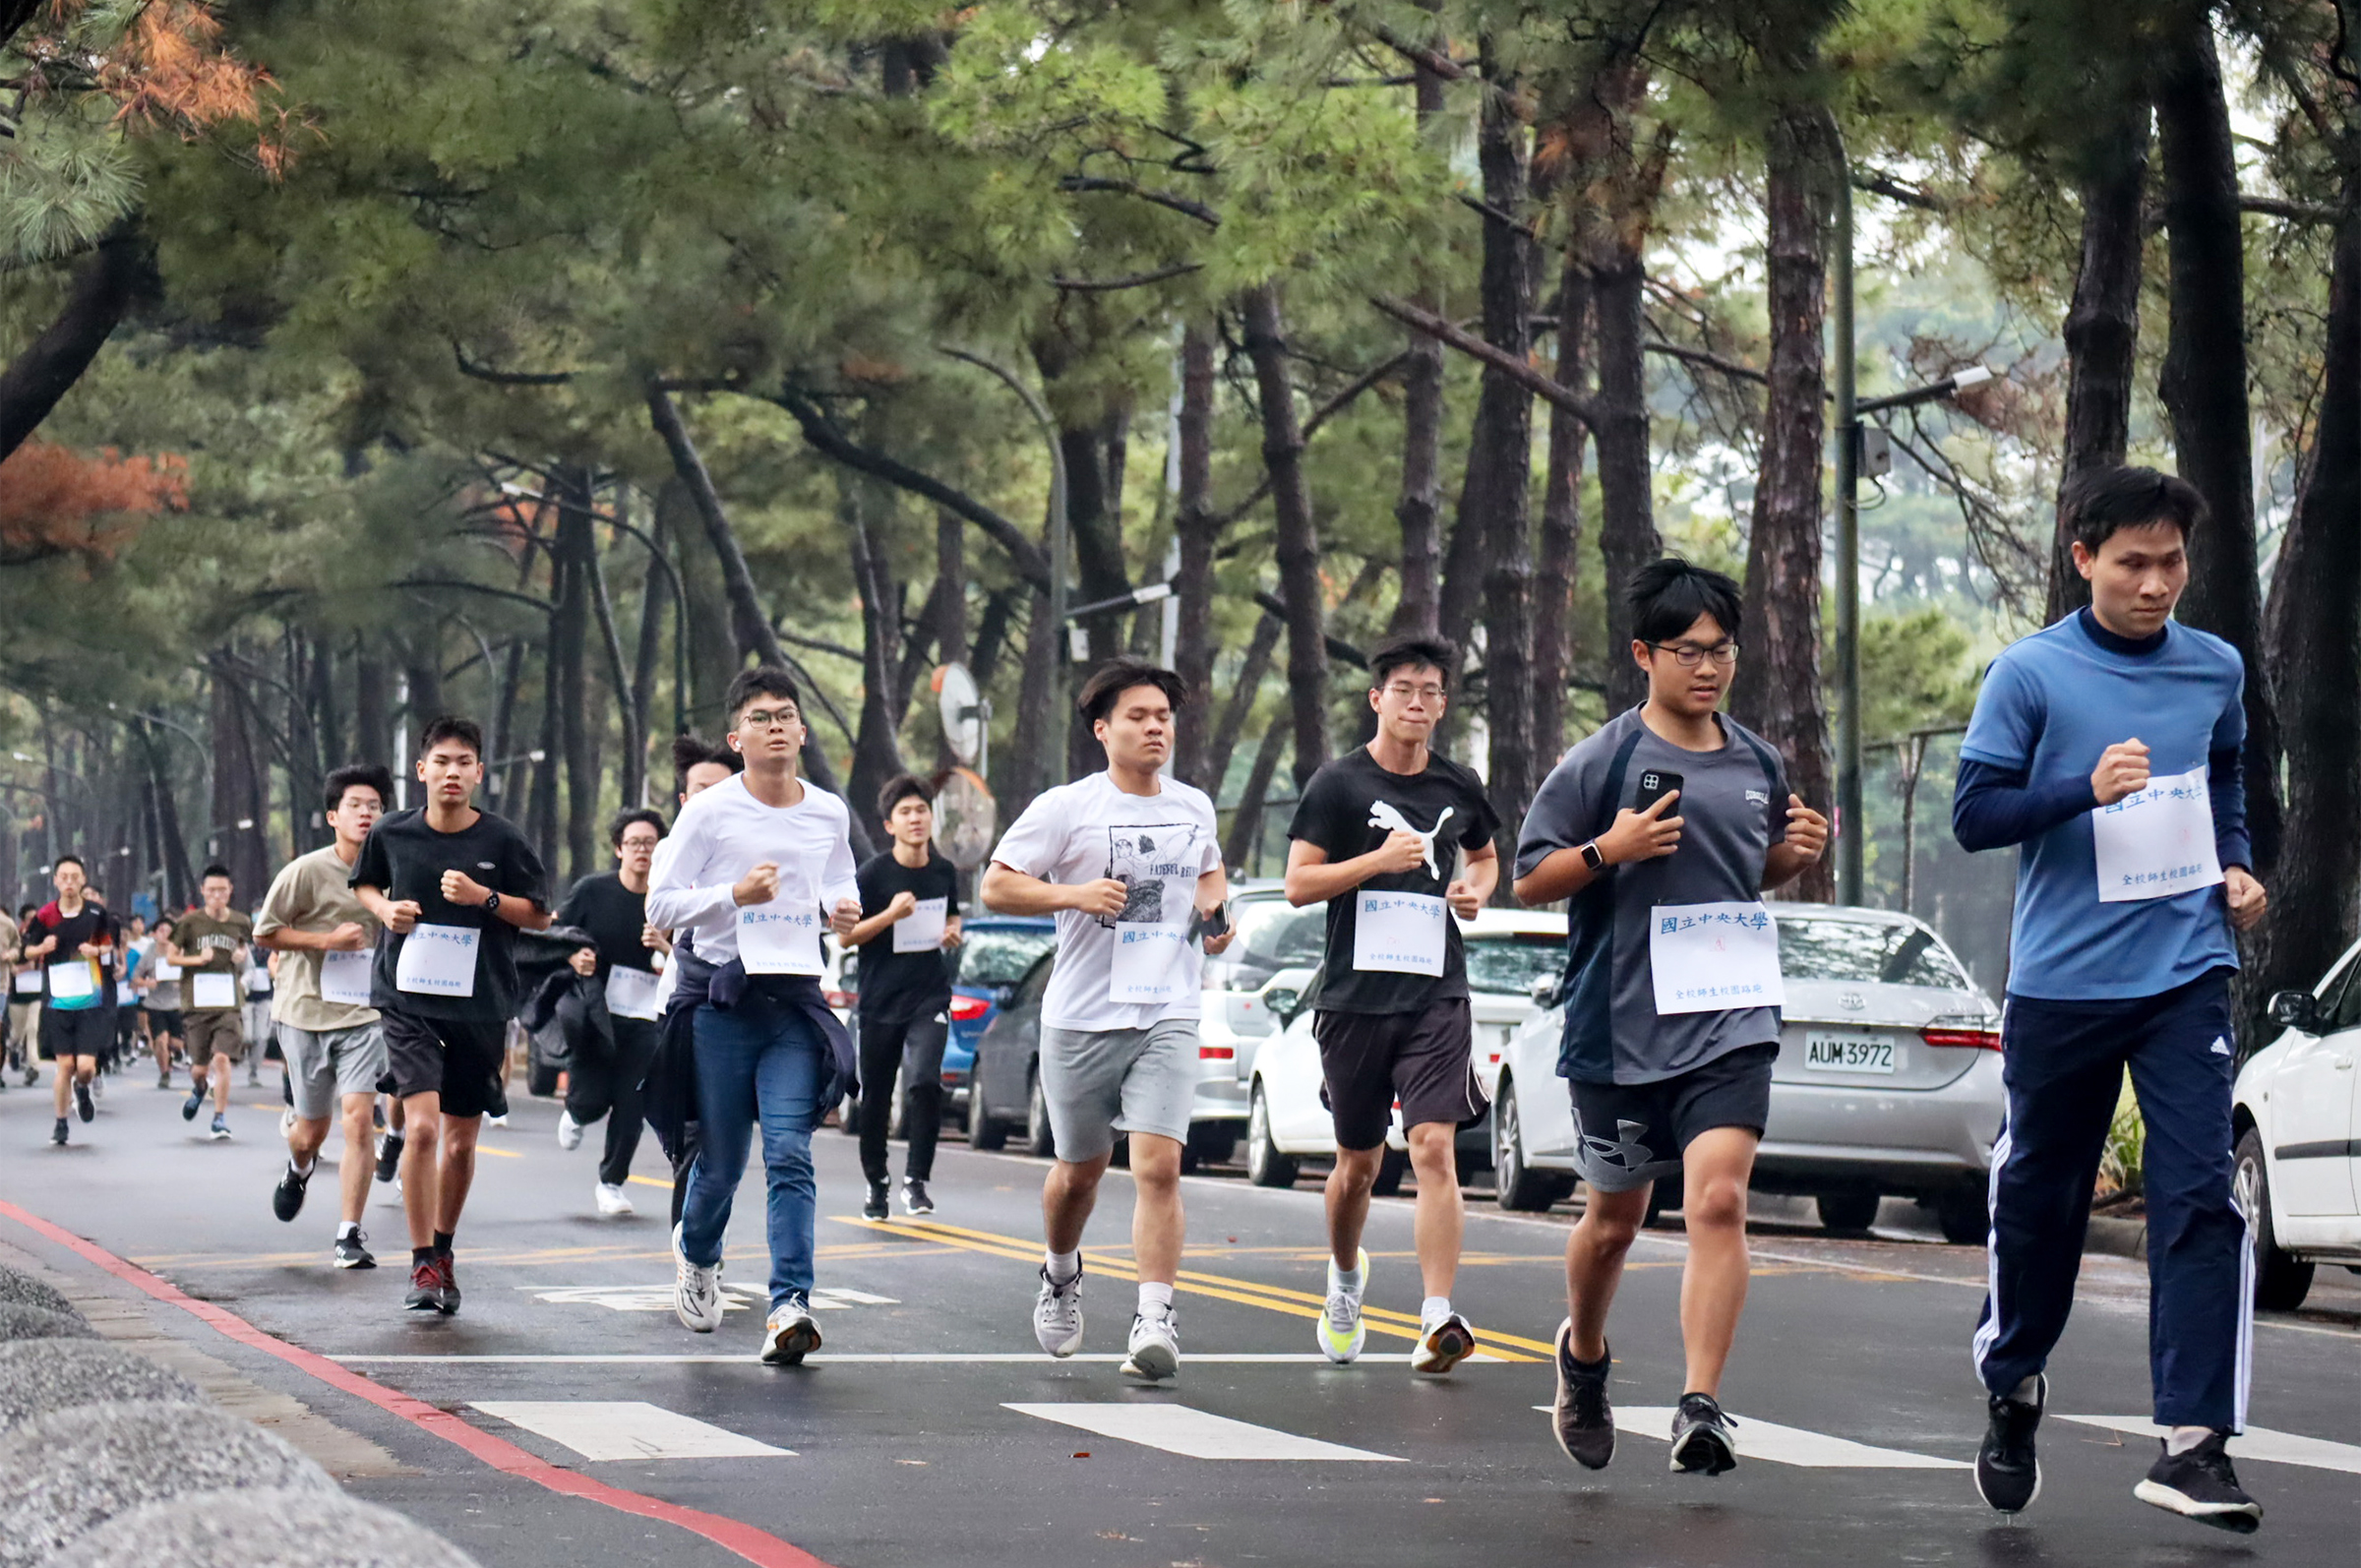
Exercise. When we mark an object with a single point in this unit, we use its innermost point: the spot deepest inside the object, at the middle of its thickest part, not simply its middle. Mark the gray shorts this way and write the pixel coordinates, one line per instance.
(1099, 1082)
(325, 1065)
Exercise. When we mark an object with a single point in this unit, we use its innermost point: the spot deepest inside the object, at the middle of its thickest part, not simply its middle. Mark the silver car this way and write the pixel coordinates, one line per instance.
(1888, 1080)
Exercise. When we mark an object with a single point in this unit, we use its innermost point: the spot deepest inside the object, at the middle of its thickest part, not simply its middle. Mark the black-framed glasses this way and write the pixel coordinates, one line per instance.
(765, 719)
(1689, 655)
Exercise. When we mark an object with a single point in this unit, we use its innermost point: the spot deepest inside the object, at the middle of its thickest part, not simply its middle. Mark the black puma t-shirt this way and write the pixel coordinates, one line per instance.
(1350, 807)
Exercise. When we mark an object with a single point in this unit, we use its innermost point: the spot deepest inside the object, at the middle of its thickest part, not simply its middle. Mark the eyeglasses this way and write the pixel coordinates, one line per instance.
(766, 719)
(1689, 655)
(1425, 693)
(640, 843)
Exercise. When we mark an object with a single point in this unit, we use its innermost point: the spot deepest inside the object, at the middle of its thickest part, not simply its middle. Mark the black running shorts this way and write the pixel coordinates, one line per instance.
(459, 1059)
(77, 1032)
(1425, 1059)
(1629, 1134)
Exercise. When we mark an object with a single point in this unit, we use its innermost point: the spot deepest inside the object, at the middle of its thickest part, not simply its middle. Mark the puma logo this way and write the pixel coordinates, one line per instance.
(1384, 814)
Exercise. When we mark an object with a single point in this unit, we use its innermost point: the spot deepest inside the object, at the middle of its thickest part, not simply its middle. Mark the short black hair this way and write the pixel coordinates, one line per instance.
(216, 869)
(369, 775)
(900, 788)
(1117, 676)
(451, 727)
(1667, 596)
(688, 751)
(763, 679)
(624, 819)
(25, 910)
(62, 859)
(2099, 503)
(1410, 650)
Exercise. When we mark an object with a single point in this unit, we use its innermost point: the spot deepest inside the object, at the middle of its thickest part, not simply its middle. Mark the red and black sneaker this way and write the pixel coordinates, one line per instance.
(426, 1286)
(450, 1283)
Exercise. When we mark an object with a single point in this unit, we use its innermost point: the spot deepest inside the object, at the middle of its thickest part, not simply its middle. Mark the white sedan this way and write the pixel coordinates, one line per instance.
(1508, 951)
(2297, 1114)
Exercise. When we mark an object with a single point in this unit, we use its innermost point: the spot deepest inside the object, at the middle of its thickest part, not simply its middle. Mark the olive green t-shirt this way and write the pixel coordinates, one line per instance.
(217, 941)
(312, 892)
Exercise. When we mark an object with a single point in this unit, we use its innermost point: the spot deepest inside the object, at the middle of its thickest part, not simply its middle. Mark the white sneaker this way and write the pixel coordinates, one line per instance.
(1057, 1316)
(1443, 1346)
(789, 1334)
(1155, 1350)
(696, 1291)
(1341, 1332)
(612, 1204)
(501, 1120)
(570, 1131)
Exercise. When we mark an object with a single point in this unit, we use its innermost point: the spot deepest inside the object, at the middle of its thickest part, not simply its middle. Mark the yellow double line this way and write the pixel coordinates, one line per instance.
(1220, 1287)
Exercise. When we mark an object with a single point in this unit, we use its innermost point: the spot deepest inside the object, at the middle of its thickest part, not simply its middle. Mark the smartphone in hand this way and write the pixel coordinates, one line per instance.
(1654, 784)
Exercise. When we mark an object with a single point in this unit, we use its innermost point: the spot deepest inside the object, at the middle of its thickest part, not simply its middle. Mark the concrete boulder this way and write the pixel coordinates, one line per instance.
(37, 1376)
(20, 1322)
(74, 1470)
(271, 1527)
(26, 1290)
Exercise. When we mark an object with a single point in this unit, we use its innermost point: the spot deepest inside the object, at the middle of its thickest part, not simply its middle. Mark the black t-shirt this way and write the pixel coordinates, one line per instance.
(614, 915)
(1349, 809)
(895, 987)
(406, 859)
(92, 925)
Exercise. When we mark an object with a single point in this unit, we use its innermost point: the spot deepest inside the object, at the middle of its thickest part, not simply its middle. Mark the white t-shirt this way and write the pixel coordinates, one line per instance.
(723, 834)
(1160, 844)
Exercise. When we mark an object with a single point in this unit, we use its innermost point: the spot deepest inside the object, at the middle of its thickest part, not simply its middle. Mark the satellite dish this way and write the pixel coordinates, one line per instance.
(966, 821)
(963, 712)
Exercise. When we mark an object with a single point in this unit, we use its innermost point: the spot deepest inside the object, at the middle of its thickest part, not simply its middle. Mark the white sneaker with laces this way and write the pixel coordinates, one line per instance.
(1342, 1333)
(1057, 1316)
(612, 1204)
(789, 1334)
(696, 1291)
(1155, 1350)
(570, 1131)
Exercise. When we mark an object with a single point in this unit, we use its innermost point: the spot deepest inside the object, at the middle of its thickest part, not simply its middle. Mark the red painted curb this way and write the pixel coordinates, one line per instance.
(755, 1545)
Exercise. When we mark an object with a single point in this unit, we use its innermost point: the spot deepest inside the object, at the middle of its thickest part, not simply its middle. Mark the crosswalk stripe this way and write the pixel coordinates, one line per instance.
(1757, 1439)
(952, 1357)
(604, 1429)
(2256, 1442)
(1196, 1433)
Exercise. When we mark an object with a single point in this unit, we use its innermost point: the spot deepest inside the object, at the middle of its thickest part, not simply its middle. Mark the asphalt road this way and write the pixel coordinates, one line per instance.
(929, 1430)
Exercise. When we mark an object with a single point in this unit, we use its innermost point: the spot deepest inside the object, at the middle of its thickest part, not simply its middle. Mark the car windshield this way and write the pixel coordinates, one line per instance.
(1000, 955)
(1508, 965)
(1822, 947)
(1274, 933)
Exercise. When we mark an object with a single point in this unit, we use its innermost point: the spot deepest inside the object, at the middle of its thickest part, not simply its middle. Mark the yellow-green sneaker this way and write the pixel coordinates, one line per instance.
(1342, 1333)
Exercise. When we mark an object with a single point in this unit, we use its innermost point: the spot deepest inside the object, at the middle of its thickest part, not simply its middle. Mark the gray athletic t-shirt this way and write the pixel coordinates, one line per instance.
(1733, 805)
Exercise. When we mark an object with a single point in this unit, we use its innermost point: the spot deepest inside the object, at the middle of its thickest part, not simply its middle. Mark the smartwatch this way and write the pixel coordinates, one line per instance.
(492, 905)
(1592, 858)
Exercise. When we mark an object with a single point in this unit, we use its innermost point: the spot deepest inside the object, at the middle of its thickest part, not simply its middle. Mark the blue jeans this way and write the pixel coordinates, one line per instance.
(757, 1062)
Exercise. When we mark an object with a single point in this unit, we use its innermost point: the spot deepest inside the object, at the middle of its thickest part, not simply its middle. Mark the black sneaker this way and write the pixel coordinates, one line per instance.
(389, 1154)
(58, 1136)
(84, 1105)
(286, 1199)
(1582, 1415)
(194, 1102)
(1701, 1440)
(352, 1251)
(914, 1197)
(2006, 1472)
(426, 1287)
(450, 1283)
(2199, 1484)
(877, 1208)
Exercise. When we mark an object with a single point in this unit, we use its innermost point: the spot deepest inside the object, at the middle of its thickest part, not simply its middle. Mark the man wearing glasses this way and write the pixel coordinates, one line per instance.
(1373, 838)
(1663, 828)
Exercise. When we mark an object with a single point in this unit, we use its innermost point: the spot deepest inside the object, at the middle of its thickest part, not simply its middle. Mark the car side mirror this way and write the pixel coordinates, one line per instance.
(1282, 1003)
(1547, 992)
(2296, 1009)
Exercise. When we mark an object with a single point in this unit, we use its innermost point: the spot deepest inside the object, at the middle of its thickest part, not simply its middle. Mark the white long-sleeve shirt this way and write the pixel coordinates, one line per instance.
(723, 834)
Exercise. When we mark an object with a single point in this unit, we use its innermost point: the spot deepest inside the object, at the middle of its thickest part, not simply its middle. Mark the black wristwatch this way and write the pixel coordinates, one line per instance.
(492, 905)
(1592, 858)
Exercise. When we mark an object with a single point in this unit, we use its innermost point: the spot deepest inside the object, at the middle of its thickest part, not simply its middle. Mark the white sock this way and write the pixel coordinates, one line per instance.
(2027, 1392)
(346, 1227)
(1345, 1280)
(1433, 1311)
(303, 1169)
(2184, 1438)
(1155, 1300)
(1064, 1267)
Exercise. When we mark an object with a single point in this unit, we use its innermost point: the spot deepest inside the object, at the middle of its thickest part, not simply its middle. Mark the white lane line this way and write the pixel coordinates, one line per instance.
(658, 1298)
(1195, 1359)
(626, 1429)
(2256, 1442)
(1757, 1439)
(1196, 1433)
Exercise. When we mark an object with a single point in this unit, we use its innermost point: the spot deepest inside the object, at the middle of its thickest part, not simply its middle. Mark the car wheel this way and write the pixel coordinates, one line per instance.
(2282, 1282)
(1515, 1185)
(1266, 1166)
(1853, 1210)
(1964, 1217)
(1212, 1143)
(985, 1131)
(1392, 1167)
(1037, 1139)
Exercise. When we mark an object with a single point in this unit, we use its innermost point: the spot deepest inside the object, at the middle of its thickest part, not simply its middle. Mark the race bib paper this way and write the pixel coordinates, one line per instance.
(344, 977)
(1713, 957)
(166, 974)
(28, 982)
(631, 993)
(71, 982)
(438, 961)
(1402, 933)
(2156, 843)
(1152, 963)
(921, 931)
(208, 989)
(774, 939)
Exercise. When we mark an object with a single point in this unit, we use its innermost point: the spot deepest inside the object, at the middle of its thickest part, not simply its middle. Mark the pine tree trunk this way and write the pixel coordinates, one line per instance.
(713, 655)
(1298, 535)
(1627, 536)
(2204, 387)
(569, 636)
(1246, 685)
(1562, 524)
(877, 751)
(1196, 533)
(1418, 510)
(1777, 691)
(373, 710)
(1245, 823)
(647, 641)
(2103, 330)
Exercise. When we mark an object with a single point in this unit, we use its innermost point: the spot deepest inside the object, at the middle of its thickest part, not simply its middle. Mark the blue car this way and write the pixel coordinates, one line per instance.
(995, 952)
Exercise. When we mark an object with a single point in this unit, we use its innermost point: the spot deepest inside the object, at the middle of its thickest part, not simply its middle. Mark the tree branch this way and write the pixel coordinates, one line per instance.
(106, 283)
(1109, 286)
(1710, 360)
(1878, 183)
(507, 378)
(1337, 648)
(1318, 417)
(1177, 203)
(1520, 371)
